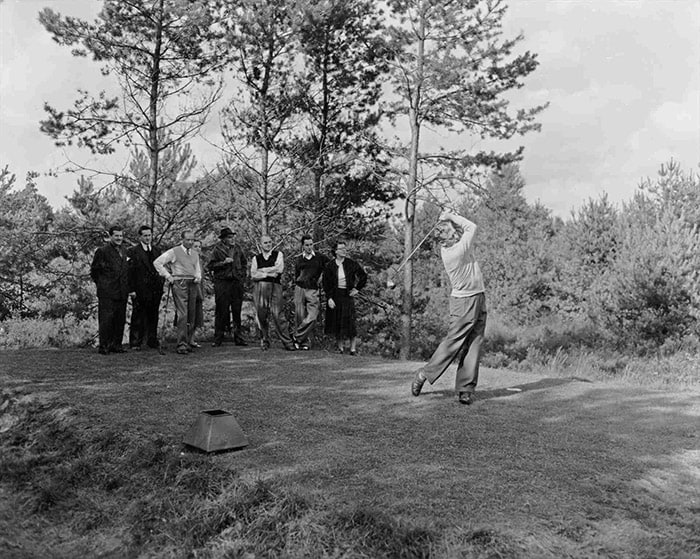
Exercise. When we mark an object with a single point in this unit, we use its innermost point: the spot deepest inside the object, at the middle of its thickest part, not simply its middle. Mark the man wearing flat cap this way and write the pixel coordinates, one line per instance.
(227, 264)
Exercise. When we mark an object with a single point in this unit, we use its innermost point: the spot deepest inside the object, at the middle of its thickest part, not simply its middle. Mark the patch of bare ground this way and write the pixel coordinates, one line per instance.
(342, 461)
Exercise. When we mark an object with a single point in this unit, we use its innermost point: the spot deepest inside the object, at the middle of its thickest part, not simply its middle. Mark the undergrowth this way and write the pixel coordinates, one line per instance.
(96, 481)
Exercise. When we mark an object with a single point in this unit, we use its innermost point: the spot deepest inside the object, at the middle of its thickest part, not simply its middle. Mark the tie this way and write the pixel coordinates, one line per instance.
(188, 251)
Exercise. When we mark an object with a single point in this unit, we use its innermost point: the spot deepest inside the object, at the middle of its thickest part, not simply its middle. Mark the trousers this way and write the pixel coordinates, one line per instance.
(267, 297)
(306, 309)
(111, 317)
(228, 297)
(462, 343)
(144, 321)
(185, 299)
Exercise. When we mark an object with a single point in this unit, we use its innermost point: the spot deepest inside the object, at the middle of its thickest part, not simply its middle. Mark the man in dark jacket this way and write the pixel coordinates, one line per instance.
(227, 264)
(307, 278)
(147, 286)
(109, 271)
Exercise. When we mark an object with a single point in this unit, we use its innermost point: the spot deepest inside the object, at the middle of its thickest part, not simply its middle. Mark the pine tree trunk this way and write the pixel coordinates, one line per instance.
(411, 189)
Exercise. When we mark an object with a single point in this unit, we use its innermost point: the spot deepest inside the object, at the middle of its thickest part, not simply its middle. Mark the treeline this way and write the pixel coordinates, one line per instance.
(325, 114)
(318, 108)
(618, 279)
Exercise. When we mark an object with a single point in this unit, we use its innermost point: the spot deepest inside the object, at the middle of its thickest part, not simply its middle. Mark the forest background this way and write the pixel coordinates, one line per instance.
(308, 96)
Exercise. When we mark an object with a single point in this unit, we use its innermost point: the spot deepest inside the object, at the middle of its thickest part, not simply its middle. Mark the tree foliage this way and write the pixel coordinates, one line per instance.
(162, 54)
(452, 69)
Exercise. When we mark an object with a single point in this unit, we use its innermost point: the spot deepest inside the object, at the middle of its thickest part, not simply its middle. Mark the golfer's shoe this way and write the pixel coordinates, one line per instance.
(417, 384)
(466, 398)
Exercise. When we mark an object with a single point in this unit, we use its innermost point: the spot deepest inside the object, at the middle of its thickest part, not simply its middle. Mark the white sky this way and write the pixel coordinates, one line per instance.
(622, 78)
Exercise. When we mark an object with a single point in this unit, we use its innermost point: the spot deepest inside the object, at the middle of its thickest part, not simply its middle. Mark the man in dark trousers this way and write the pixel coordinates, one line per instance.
(227, 264)
(307, 277)
(109, 271)
(147, 285)
(266, 271)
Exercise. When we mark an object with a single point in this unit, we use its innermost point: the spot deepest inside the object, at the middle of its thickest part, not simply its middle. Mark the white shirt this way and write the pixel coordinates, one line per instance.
(460, 264)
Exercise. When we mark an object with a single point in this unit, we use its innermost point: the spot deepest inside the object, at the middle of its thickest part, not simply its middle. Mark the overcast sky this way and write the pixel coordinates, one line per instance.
(622, 78)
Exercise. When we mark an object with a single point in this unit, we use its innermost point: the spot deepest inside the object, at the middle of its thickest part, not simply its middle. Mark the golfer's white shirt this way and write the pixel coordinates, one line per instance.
(460, 265)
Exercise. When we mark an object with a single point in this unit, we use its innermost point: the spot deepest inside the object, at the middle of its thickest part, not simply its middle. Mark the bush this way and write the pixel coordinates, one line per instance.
(44, 332)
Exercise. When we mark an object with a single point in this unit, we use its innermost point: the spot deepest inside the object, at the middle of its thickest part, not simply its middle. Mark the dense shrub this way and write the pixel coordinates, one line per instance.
(18, 333)
(650, 294)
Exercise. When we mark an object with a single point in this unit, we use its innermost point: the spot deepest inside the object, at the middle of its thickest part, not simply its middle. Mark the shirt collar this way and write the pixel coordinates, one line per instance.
(310, 256)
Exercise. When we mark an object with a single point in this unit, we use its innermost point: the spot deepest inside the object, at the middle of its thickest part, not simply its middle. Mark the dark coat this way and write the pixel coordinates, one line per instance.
(231, 270)
(109, 271)
(144, 280)
(355, 276)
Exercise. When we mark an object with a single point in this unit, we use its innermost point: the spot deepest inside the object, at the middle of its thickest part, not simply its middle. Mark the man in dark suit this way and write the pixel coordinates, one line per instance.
(147, 286)
(109, 271)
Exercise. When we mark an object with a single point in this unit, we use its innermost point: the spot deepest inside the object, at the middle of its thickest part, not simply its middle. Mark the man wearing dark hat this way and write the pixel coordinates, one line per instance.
(228, 266)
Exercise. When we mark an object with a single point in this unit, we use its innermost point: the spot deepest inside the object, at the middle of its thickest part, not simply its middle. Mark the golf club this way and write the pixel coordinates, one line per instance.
(161, 348)
(390, 283)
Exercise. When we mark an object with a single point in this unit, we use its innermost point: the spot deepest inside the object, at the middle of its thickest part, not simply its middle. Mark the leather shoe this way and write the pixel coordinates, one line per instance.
(216, 344)
(465, 398)
(417, 384)
(240, 342)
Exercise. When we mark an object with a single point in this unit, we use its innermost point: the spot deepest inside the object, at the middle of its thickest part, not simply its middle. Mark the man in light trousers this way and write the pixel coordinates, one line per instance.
(467, 311)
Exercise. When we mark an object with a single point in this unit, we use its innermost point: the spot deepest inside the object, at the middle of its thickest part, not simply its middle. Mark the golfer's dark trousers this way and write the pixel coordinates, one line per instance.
(144, 321)
(111, 316)
(462, 343)
(228, 297)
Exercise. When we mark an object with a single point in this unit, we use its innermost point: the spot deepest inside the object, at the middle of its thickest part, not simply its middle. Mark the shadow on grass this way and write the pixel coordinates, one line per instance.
(514, 390)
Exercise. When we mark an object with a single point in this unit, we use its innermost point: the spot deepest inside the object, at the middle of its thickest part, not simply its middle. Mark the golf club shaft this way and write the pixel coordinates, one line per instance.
(405, 260)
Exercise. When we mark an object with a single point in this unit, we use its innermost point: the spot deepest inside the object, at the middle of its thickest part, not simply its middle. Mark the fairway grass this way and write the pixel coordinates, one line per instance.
(342, 461)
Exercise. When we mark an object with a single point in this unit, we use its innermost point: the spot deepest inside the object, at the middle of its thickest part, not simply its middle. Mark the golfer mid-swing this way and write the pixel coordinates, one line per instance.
(467, 311)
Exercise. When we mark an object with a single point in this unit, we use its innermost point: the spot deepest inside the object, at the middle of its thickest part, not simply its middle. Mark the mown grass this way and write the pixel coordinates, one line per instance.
(342, 462)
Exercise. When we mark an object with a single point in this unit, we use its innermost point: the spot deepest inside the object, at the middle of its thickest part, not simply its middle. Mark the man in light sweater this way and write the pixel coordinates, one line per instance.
(180, 267)
(467, 311)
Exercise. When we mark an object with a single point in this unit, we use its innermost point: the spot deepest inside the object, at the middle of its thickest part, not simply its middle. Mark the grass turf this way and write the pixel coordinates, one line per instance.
(341, 461)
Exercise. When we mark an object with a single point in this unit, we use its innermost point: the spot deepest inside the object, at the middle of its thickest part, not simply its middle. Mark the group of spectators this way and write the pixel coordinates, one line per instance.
(143, 270)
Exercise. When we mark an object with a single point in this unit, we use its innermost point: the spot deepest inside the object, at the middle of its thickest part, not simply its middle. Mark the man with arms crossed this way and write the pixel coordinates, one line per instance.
(180, 267)
(266, 272)
(467, 311)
